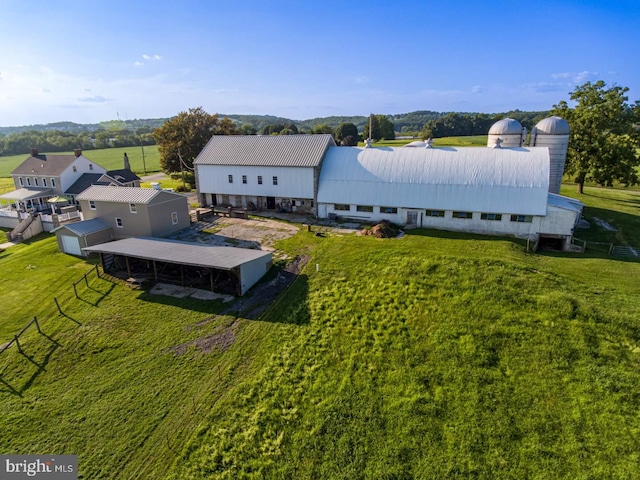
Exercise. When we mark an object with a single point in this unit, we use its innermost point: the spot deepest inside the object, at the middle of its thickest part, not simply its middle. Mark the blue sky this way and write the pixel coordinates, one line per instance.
(89, 61)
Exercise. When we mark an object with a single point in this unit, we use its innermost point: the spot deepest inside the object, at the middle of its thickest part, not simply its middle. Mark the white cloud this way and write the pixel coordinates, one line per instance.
(477, 89)
(138, 64)
(575, 77)
(151, 57)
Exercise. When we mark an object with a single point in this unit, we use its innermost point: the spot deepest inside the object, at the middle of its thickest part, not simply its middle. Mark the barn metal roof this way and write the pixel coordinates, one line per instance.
(506, 180)
(565, 202)
(102, 193)
(182, 253)
(85, 227)
(265, 150)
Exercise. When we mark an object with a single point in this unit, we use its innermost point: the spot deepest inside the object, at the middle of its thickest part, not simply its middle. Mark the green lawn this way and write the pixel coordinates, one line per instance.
(6, 185)
(109, 158)
(435, 355)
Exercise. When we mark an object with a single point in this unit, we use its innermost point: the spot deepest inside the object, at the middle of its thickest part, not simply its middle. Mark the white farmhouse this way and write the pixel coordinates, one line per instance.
(262, 172)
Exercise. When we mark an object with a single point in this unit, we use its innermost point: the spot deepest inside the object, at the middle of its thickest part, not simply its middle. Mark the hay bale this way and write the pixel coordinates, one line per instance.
(384, 229)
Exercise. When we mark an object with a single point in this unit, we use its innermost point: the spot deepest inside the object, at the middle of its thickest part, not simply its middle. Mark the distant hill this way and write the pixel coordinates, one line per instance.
(403, 122)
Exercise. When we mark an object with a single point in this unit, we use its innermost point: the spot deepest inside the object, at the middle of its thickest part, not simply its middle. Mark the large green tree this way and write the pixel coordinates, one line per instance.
(603, 144)
(186, 134)
(381, 128)
(346, 134)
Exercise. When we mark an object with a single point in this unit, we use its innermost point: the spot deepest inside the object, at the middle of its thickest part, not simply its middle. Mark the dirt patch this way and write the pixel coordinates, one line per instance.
(184, 292)
(381, 230)
(220, 341)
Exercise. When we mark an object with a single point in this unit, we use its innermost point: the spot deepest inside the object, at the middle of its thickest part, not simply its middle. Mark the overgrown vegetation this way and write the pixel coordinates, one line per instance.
(434, 355)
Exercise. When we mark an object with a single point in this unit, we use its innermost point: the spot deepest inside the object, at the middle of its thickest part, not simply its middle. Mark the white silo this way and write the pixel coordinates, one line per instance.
(553, 132)
(509, 131)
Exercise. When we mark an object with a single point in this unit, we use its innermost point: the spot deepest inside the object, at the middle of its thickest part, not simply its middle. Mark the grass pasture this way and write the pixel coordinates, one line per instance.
(109, 158)
(431, 356)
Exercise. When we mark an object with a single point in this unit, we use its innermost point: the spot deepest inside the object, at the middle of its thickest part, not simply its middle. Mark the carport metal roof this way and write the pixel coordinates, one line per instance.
(184, 253)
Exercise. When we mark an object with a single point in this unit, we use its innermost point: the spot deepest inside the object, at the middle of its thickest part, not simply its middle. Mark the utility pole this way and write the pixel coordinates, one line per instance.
(144, 164)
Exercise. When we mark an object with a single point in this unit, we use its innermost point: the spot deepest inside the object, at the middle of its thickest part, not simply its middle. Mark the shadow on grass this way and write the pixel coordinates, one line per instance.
(102, 294)
(450, 235)
(40, 365)
(627, 227)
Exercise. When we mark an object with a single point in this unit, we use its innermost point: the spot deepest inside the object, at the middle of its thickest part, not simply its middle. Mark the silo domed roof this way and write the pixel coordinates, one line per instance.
(553, 126)
(507, 126)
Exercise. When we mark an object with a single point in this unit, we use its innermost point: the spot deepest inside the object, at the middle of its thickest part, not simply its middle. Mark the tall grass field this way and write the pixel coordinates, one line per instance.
(435, 355)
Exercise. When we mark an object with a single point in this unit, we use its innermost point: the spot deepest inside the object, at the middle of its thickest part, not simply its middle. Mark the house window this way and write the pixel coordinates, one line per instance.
(275, 180)
(522, 218)
(75, 169)
(244, 179)
(388, 210)
(118, 222)
(44, 182)
(133, 208)
(342, 207)
(259, 179)
(92, 205)
(35, 181)
(53, 182)
(364, 208)
(28, 182)
(465, 215)
(435, 213)
(174, 218)
(491, 216)
(20, 181)
(230, 178)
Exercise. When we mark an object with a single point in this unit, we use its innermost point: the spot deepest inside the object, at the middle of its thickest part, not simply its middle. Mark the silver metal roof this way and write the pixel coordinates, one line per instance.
(506, 126)
(553, 126)
(86, 227)
(565, 202)
(265, 150)
(27, 193)
(506, 180)
(183, 253)
(102, 193)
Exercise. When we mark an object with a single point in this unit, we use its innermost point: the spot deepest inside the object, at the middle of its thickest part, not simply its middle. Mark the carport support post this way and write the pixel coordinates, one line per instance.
(182, 275)
(155, 271)
(126, 259)
(211, 278)
(104, 269)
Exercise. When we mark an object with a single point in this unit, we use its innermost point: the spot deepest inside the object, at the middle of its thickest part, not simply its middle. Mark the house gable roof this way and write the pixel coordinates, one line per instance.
(46, 165)
(84, 182)
(123, 175)
(265, 150)
(101, 193)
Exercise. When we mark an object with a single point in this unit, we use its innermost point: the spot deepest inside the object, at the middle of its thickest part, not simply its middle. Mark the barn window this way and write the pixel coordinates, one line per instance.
(465, 215)
(388, 210)
(275, 180)
(259, 179)
(342, 207)
(435, 213)
(364, 208)
(244, 179)
(118, 222)
(174, 218)
(92, 205)
(522, 218)
(230, 178)
(133, 208)
(491, 216)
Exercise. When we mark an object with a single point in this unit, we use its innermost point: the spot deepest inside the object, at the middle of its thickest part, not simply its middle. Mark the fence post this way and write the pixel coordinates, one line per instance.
(75, 290)
(35, 320)
(610, 248)
(97, 271)
(86, 280)
(58, 305)
(15, 337)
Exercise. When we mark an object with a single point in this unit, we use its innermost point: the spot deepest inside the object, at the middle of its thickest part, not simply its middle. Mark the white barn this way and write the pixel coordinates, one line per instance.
(497, 191)
(261, 172)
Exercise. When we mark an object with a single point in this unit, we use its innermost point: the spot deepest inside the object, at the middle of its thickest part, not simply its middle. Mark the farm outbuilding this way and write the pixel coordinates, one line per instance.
(220, 269)
(73, 237)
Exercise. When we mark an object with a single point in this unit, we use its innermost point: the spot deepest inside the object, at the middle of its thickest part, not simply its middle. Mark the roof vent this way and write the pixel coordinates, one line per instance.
(498, 143)
(428, 143)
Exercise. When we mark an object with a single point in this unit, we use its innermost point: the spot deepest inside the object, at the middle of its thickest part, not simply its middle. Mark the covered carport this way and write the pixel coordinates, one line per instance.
(220, 269)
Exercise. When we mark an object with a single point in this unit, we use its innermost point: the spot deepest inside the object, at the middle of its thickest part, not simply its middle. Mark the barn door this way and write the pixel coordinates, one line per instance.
(412, 217)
